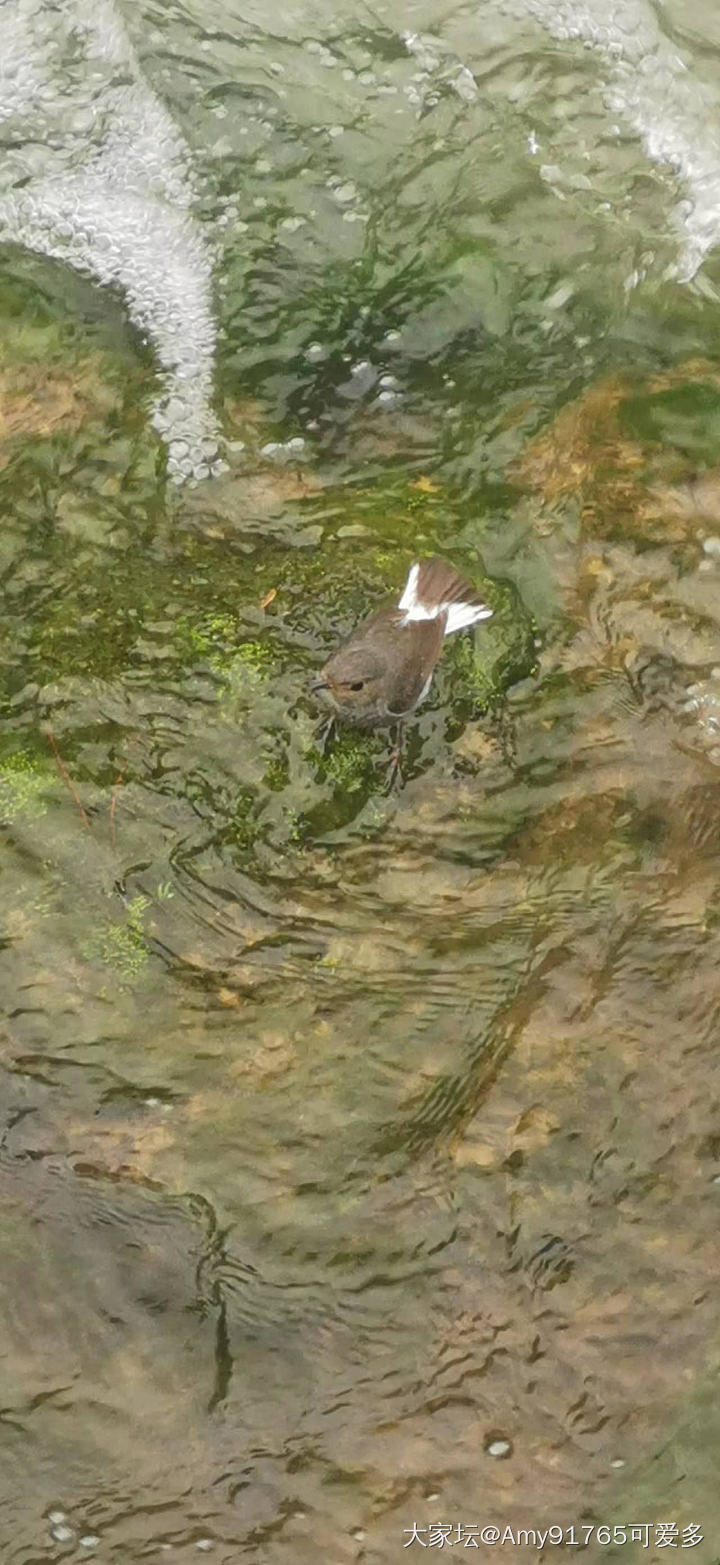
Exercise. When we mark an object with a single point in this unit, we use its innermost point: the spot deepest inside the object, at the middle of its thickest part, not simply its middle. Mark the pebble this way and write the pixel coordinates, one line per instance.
(61, 1533)
(499, 1448)
(711, 546)
(89, 1541)
(55, 1517)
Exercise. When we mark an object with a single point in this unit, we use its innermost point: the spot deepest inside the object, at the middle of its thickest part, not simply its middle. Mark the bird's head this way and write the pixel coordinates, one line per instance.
(354, 682)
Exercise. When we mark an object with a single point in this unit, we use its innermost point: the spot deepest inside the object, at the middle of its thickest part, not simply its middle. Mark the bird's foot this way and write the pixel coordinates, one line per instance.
(394, 777)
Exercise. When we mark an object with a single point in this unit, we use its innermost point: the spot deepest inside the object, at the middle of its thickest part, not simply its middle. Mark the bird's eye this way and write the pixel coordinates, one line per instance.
(358, 684)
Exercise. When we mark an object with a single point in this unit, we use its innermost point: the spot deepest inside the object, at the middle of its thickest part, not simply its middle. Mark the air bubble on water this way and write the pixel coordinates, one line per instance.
(464, 84)
(650, 86)
(426, 50)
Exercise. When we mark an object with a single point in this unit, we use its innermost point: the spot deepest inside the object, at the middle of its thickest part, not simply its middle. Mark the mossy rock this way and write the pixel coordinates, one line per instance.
(501, 651)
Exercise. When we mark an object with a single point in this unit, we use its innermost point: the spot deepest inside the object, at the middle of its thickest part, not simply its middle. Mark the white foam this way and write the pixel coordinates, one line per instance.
(650, 85)
(99, 178)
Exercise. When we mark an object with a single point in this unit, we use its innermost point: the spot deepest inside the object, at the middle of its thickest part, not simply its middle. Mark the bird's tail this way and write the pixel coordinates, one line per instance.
(434, 587)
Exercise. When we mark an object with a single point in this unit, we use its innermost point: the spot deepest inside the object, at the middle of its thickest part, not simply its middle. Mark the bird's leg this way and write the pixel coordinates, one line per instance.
(394, 775)
(325, 733)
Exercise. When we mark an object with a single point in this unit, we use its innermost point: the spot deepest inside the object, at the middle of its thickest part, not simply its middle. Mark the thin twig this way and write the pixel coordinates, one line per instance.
(113, 802)
(66, 777)
(114, 799)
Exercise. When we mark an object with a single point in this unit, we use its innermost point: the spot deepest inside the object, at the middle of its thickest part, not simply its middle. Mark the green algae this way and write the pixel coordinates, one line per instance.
(23, 787)
(121, 944)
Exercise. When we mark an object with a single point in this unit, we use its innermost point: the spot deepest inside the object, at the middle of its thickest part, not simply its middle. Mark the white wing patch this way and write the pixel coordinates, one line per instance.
(459, 615)
(409, 604)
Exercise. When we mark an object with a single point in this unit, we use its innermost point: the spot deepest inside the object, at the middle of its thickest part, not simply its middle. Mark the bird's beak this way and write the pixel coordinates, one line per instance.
(318, 684)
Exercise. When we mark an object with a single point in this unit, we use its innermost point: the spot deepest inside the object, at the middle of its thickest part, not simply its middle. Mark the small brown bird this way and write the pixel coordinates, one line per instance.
(385, 668)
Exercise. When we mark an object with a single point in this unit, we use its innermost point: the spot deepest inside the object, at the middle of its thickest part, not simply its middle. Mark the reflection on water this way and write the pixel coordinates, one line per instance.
(358, 1152)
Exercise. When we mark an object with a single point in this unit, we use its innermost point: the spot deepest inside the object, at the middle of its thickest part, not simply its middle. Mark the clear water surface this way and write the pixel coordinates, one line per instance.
(360, 1153)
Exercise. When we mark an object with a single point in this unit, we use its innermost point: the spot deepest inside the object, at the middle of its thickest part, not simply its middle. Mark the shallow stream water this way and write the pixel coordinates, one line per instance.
(359, 1152)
